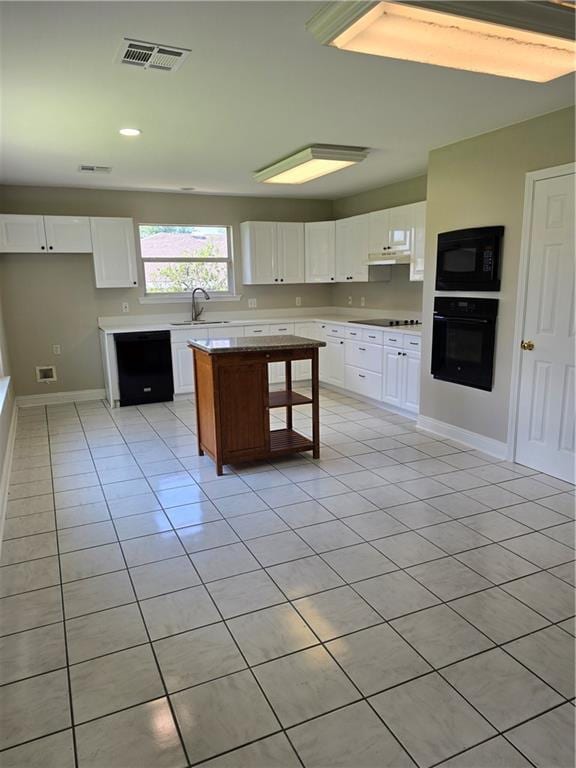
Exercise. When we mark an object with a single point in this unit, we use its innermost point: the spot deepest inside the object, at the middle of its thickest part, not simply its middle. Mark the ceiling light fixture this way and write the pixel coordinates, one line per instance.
(310, 163)
(130, 131)
(529, 41)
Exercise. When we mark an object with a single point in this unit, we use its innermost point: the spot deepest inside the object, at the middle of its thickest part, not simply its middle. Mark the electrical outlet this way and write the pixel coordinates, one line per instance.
(56, 349)
(125, 306)
(252, 303)
(349, 301)
(298, 301)
(362, 301)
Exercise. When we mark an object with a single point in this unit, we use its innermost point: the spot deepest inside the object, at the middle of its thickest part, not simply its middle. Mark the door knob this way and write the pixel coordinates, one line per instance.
(527, 346)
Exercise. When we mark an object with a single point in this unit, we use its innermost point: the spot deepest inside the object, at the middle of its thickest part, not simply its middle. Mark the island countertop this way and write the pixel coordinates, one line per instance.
(252, 344)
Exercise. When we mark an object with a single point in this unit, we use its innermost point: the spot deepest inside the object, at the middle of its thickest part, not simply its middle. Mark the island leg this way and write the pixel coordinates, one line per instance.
(288, 389)
(315, 406)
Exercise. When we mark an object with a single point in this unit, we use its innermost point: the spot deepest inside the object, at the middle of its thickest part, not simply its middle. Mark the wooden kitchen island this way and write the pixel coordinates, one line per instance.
(233, 398)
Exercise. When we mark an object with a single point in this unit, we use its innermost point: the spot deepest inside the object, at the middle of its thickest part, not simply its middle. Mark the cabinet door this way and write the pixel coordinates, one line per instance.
(333, 362)
(378, 231)
(400, 224)
(22, 234)
(68, 234)
(320, 257)
(392, 376)
(359, 256)
(259, 252)
(182, 368)
(114, 252)
(411, 383)
(290, 252)
(352, 249)
(417, 254)
(344, 249)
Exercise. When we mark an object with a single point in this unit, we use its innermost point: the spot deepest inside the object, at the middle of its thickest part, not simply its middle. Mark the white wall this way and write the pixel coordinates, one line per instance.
(474, 183)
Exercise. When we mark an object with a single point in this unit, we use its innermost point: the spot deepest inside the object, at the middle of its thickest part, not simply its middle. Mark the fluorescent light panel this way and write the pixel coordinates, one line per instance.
(310, 163)
(411, 33)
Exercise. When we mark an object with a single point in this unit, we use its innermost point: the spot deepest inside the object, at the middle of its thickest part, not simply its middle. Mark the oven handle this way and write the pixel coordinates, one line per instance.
(462, 319)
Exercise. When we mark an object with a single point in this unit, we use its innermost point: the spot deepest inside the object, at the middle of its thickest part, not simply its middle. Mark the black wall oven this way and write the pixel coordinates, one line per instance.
(463, 339)
(469, 259)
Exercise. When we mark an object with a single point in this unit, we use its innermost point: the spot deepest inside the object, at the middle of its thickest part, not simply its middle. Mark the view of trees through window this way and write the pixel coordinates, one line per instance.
(179, 259)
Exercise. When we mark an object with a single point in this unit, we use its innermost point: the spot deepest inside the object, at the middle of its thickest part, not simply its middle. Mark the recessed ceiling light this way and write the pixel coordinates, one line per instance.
(130, 131)
(528, 41)
(310, 163)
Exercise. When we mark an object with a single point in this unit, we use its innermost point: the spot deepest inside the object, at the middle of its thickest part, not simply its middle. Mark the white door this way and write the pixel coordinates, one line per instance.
(290, 252)
(68, 234)
(22, 234)
(114, 252)
(259, 252)
(344, 249)
(378, 231)
(411, 381)
(320, 255)
(400, 228)
(182, 368)
(545, 428)
(392, 376)
(419, 241)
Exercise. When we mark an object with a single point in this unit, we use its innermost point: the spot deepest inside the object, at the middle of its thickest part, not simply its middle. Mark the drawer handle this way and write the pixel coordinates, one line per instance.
(257, 331)
(362, 349)
(282, 329)
(361, 375)
(413, 343)
(392, 339)
(371, 337)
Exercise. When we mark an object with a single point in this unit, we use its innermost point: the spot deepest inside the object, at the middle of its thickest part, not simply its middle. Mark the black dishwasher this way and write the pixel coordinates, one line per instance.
(144, 367)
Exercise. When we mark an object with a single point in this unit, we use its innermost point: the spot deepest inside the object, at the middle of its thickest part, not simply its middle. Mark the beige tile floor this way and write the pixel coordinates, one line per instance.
(402, 601)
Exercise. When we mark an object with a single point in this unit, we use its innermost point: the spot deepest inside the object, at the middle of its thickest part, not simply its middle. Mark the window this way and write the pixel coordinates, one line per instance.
(179, 259)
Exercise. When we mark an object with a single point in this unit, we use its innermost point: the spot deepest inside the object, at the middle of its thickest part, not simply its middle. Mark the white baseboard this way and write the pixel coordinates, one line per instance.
(5, 470)
(481, 443)
(53, 398)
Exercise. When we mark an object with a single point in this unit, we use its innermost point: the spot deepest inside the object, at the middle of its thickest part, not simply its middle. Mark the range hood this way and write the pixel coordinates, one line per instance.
(388, 259)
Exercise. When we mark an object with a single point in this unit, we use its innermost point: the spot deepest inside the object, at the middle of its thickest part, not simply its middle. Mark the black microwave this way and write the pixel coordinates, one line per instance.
(469, 259)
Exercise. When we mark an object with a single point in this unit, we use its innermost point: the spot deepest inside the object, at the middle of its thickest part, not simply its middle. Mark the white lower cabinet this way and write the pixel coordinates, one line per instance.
(401, 379)
(182, 368)
(363, 382)
(332, 362)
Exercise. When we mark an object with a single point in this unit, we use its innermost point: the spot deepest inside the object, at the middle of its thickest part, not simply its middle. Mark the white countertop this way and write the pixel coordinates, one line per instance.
(114, 325)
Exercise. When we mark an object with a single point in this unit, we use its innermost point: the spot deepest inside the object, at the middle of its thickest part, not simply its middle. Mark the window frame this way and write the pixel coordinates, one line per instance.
(186, 295)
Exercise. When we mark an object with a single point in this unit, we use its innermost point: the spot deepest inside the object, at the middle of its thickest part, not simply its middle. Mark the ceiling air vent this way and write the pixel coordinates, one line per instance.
(139, 53)
(94, 168)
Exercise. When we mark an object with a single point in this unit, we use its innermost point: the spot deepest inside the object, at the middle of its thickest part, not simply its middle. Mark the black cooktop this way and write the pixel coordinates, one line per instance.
(386, 322)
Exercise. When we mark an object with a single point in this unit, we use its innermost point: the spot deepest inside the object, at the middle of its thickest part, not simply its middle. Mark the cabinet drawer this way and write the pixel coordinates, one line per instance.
(393, 339)
(282, 329)
(178, 337)
(372, 337)
(336, 330)
(363, 382)
(362, 355)
(226, 331)
(412, 342)
(256, 330)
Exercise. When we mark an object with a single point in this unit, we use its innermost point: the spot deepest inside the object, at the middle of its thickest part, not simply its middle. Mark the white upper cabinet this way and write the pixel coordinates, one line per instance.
(272, 252)
(320, 251)
(290, 252)
(114, 252)
(22, 234)
(259, 249)
(417, 255)
(378, 222)
(352, 249)
(68, 234)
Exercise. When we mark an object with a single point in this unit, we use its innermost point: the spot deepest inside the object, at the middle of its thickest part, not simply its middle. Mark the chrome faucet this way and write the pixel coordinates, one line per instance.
(195, 311)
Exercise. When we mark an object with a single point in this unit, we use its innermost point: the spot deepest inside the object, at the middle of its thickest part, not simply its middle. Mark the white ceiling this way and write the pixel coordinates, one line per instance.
(256, 87)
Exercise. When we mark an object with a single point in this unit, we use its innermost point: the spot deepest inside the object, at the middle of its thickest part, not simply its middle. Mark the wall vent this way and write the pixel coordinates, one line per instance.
(95, 168)
(139, 53)
(46, 374)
